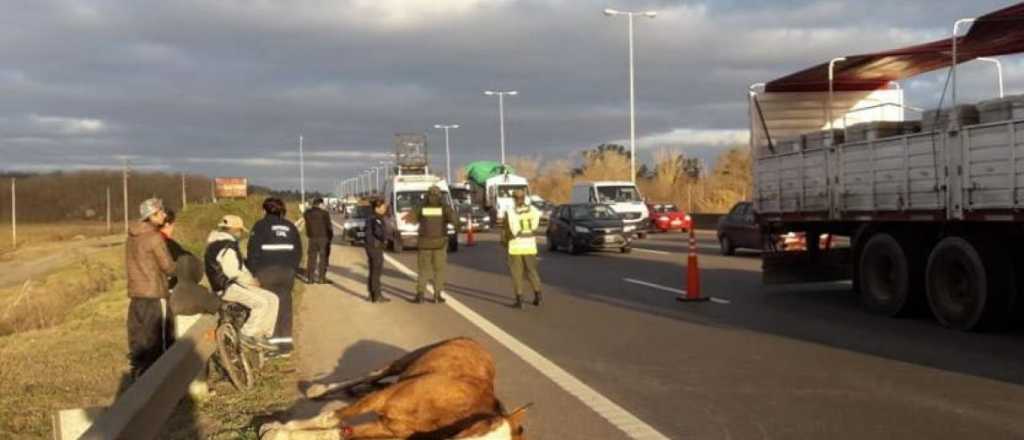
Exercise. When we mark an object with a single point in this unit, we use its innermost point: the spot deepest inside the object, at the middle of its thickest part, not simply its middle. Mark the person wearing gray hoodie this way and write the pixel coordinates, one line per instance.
(232, 281)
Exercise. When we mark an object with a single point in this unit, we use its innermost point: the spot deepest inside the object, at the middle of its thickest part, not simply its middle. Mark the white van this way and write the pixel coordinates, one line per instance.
(405, 193)
(623, 197)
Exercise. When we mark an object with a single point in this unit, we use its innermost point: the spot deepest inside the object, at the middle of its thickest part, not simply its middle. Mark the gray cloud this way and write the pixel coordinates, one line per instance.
(226, 87)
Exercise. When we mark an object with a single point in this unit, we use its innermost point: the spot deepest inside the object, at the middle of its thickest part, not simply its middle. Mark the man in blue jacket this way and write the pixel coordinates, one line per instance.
(274, 253)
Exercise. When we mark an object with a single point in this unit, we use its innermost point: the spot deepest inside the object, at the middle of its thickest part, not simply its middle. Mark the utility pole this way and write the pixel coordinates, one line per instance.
(124, 184)
(14, 214)
(108, 209)
(184, 197)
(213, 190)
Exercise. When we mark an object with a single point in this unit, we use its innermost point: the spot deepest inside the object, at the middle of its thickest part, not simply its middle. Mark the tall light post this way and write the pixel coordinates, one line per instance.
(302, 175)
(999, 71)
(448, 149)
(501, 115)
(632, 85)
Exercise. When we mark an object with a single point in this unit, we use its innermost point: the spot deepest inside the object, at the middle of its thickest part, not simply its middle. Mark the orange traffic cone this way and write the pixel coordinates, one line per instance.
(692, 293)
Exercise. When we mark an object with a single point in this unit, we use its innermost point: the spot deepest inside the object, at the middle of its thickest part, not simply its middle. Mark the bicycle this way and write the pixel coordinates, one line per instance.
(237, 360)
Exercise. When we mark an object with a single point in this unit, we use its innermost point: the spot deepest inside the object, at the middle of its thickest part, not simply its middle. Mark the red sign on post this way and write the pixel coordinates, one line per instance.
(231, 187)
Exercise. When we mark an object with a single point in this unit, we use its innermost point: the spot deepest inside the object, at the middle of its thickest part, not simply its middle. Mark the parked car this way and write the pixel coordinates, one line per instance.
(481, 220)
(667, 217)
(740, 229)
(354, 228)
(545, 209)
(584, 227)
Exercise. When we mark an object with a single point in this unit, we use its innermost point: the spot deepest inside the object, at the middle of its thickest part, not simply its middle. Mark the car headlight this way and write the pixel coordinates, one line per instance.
(628, 228)
(462, 219)
(582, 229)
(487, 218)
(687, 217)
(663, 218)
(351, 225)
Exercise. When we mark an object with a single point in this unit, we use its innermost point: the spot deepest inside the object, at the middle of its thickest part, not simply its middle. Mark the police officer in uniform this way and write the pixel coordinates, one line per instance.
(274, 254)
(377, 233)
(433, 217)
(520, 227)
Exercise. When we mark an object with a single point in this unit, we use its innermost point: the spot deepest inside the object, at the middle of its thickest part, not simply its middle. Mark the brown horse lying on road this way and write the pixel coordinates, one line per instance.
(443, 391)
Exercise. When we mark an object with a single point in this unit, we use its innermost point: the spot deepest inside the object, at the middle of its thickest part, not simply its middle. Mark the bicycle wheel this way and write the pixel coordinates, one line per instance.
(230, 357)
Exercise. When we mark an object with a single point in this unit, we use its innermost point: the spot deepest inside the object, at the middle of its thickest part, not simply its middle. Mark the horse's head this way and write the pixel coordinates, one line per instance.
(517, 422)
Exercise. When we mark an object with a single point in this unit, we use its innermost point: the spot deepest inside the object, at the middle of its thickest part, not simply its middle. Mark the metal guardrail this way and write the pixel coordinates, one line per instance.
(140, 413)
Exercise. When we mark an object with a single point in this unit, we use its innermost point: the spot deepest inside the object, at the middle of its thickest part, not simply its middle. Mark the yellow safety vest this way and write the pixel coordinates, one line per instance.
(523, 223)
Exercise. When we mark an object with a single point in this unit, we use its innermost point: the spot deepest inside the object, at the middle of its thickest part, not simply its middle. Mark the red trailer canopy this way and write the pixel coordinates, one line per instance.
(998, 33)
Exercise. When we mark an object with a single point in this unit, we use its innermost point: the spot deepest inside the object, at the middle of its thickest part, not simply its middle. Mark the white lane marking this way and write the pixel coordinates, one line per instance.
(669, 289)
(651, 251)
(632, 426)
(683, 249)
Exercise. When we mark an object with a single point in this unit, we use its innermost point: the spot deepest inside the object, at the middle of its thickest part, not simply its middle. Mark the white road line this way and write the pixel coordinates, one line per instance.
(632, 426)
(651, 251)
(669, 289)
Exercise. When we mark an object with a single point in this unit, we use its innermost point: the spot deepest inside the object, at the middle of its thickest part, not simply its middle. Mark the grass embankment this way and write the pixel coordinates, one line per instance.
(69, 348)
(34, 233)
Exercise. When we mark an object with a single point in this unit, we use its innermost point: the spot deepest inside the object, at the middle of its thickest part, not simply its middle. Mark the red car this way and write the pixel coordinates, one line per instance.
(667, 217)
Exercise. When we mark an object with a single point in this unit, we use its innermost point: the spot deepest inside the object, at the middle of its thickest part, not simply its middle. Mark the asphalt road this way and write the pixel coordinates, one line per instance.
(765, 362)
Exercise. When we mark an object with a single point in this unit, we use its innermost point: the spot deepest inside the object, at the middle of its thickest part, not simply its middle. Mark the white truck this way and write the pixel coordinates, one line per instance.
(623, 197)
(408, 189)
(932, 209)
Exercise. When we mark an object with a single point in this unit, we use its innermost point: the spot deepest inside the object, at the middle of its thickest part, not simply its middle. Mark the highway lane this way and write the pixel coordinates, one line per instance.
(789, 362)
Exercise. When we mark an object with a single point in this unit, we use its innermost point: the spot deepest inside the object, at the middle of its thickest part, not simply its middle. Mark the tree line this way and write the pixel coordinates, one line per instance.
(671, 178)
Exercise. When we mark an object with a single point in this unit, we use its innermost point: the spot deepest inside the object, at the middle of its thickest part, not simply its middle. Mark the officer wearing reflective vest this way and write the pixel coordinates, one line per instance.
(520, 229)
(433, 217)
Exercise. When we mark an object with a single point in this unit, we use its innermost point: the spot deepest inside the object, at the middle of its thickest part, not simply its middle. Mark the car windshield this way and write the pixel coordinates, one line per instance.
(508, 190)
(407, 200)
(593, 212)
(360, 212)
(667, 208)
(617, 194)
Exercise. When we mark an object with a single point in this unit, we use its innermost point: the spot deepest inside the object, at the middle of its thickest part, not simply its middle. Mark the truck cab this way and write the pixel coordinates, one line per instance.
(405, 193)
(623, 197)
(500, 192)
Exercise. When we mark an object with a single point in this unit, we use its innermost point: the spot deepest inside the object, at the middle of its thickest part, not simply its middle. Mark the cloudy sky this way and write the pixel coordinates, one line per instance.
(226, 87)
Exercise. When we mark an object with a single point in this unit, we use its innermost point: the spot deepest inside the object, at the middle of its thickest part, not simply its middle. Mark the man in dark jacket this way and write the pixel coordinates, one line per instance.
(320, 232)
(433, 217)
(148, 264)
(377, 233)
(275, 253)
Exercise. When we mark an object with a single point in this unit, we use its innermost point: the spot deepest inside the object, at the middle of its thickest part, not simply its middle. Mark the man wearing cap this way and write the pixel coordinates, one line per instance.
(320, 233)
(520, 228)
(232, 281)
(433, 217)
(148, 264)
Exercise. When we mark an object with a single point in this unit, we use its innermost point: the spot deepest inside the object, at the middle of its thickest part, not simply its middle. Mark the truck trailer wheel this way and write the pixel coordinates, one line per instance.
(453, 243)
(966, 290)
(887, 281)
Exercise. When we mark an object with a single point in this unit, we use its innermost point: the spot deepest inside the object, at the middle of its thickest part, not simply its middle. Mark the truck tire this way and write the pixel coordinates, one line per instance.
(887, 281)
(968, 289)
(453, 243)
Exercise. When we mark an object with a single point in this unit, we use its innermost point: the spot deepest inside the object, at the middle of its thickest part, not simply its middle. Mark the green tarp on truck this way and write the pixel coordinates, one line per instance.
(479, 171)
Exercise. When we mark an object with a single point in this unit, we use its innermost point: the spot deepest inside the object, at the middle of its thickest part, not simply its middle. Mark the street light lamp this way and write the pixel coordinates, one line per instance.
(632, 85)
(447, 149)
(501, 115)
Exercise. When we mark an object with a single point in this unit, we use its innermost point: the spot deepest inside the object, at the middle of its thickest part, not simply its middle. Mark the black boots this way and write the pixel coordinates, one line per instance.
(537, 298)
(519, 302)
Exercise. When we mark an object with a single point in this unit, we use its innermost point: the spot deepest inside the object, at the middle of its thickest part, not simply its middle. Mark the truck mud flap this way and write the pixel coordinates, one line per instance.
(801, 267)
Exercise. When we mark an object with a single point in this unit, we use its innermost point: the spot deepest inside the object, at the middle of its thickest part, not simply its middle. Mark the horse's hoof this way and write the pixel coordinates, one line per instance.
(272, 431)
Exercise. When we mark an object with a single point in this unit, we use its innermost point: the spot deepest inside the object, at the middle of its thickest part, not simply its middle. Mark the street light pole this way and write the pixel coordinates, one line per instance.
(448, 149)
(999, 71)
(632, 85)
(302, 175)
(501, 115)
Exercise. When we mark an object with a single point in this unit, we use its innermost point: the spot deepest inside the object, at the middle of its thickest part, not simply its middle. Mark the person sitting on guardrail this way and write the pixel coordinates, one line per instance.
(232, 281)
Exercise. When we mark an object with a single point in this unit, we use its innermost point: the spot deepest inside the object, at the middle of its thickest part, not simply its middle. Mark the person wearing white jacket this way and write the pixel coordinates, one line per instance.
(232, 281)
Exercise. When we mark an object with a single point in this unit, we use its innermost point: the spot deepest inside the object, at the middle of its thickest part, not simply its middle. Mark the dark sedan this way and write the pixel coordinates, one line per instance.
(481, 220)
(584, 227)
(740, 229)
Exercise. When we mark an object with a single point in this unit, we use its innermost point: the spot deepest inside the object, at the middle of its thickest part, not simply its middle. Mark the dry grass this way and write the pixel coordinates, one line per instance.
(36, 233)
(70, 347)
